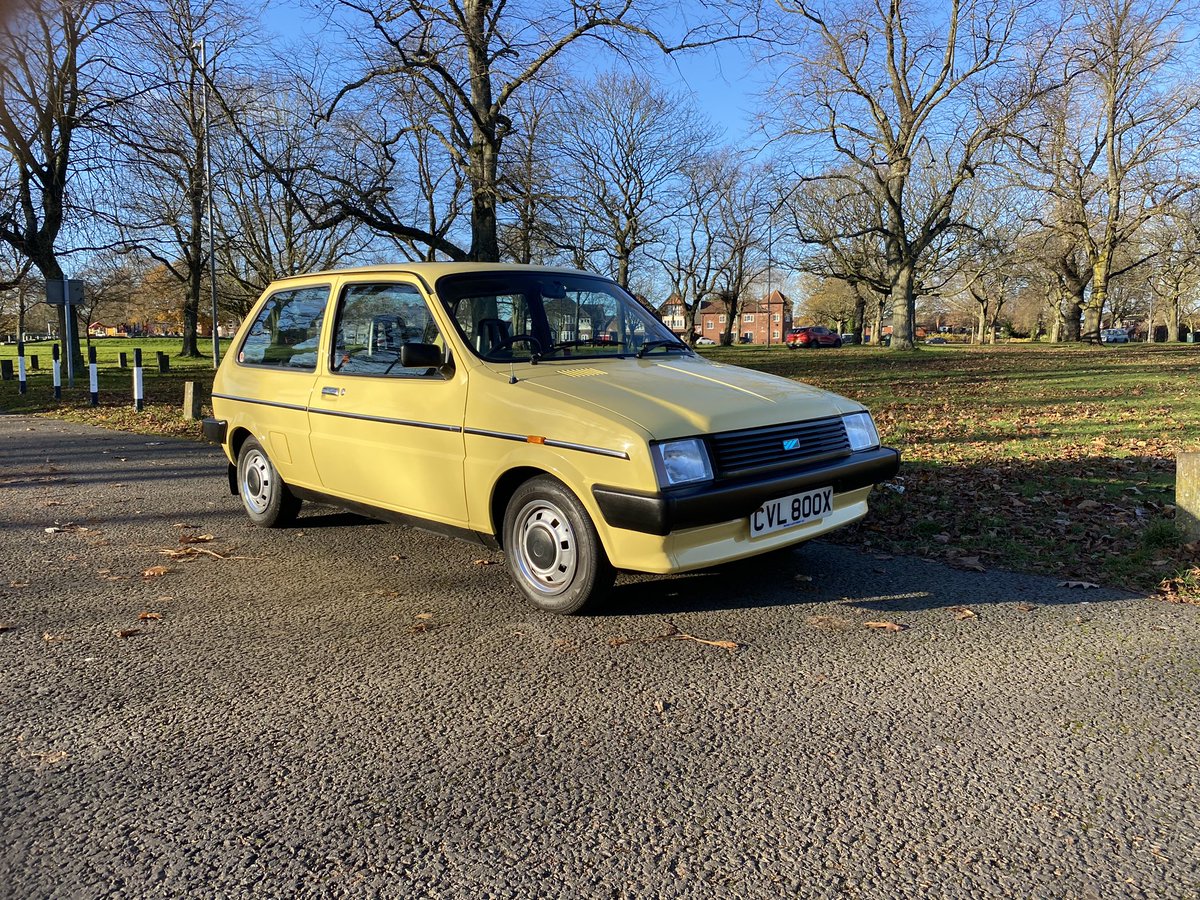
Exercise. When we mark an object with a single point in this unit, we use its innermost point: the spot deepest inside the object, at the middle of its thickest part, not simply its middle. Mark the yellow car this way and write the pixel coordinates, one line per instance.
(541, 411)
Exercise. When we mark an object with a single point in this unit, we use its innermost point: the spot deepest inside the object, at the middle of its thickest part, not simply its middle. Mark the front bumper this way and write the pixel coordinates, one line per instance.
(662, 512)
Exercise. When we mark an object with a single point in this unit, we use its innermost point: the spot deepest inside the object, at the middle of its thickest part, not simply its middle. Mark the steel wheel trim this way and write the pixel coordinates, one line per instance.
(545, 548)
(257, 483)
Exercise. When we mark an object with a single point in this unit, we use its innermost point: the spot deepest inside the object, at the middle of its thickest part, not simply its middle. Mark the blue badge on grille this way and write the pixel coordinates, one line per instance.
(791, 444)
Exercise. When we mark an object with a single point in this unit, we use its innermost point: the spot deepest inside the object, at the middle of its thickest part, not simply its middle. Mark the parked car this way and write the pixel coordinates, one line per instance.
(1114, 336)
(812, 336)
(936, 340)
(705, 342)
(473, 400)
(848, 338)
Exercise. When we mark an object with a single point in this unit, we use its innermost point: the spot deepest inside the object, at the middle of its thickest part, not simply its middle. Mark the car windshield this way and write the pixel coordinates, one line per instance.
(532, 316)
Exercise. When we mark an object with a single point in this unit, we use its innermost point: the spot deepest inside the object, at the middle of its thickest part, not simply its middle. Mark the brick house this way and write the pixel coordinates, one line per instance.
(759, 322)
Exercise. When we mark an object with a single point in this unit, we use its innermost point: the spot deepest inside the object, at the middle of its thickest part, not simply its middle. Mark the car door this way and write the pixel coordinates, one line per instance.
(276, 368)
(384, 434)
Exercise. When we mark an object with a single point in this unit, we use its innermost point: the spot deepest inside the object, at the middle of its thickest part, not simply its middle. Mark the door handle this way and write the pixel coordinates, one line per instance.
(332, 391)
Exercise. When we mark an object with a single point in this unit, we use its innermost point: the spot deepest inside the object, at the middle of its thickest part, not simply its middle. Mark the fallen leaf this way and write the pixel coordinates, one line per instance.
(1026, 607)
(195, 538)
(484, 562)
(182, 525)
(53, 638)
(963, 612)
(155, 572)
(424, 615)
(126, 632)
(149, 616)
(885, 626)
(674, 634)
(1087, 504)
(1077, 584)
(18, 584)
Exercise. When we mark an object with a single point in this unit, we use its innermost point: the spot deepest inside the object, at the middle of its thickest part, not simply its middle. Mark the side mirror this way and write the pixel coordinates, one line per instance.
(422, 356)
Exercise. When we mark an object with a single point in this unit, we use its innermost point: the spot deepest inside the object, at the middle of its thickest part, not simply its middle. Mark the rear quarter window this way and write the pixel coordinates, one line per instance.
(287, 330)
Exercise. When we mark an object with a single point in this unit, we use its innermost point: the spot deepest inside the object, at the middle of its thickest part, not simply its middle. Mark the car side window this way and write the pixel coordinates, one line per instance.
(287, 330)
(374, 322)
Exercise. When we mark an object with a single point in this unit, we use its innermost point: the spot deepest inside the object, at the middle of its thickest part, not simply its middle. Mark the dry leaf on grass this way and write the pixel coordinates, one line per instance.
(149, 617)
(424, 615)
(484, 562)
(963, 612)
(1026, 607)
(126, 632)
(885, 626)
(155, 572)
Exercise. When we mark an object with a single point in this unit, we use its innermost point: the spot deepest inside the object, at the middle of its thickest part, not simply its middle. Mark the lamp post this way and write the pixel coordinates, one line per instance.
(208, 189)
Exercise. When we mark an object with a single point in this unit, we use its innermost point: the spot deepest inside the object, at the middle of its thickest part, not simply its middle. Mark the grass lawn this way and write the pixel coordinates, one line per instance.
(1052, 459)
(164, 391)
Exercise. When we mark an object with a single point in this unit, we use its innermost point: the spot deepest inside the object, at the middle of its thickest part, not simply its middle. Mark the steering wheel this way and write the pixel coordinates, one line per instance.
(506, 343)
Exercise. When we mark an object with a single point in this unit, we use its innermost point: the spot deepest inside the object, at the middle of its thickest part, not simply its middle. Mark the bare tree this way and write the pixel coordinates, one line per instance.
(1174, 276)
(690, 255)
(51, 93)
(262, 232)
(162, 136)
(893, 87)
(467, 61)
(626, 145)
(1108, 149)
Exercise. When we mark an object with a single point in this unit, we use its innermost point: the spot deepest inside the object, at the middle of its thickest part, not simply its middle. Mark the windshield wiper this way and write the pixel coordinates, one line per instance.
(584, 342)
(667, 342)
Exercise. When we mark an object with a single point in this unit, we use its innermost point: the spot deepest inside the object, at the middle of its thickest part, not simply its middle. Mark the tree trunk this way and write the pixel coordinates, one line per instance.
(903, 308)
(981, 324)
(860, 313)
(1091, 320)
(1173, 320)
(1070, 310)
(877, 323)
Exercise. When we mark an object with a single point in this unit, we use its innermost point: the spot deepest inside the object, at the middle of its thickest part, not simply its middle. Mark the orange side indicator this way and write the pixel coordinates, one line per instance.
(536, 439)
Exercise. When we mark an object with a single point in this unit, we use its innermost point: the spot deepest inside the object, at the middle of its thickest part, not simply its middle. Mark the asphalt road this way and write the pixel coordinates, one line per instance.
(355, 709)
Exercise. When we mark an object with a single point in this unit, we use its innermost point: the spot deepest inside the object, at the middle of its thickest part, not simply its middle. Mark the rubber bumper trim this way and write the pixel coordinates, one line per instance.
(665, 511)
(214, 430)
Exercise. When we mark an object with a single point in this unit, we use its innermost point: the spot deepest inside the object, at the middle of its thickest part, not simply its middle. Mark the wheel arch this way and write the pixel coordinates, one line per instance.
(502, 491)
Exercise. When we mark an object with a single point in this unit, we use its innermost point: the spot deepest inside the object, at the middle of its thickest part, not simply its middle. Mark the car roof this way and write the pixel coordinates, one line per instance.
(431, 271)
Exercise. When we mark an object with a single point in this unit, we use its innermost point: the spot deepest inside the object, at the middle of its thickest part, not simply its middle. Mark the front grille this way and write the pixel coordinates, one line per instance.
(812, 441)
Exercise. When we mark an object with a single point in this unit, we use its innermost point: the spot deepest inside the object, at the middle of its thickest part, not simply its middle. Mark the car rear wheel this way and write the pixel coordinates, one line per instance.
(837, 343)
(554, 554)
(266, 497)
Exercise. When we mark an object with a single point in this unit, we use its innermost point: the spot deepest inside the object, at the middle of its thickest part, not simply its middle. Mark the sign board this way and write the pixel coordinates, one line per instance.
(54, 292)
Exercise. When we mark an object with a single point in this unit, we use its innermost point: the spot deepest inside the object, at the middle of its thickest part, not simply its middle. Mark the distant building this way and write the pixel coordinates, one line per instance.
(759, 322)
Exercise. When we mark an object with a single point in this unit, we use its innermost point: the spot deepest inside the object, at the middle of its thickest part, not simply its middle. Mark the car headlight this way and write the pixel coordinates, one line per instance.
(861, 431)
(681, 462)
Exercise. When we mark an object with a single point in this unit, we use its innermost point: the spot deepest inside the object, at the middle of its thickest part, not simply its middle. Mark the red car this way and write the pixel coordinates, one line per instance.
(813, 336)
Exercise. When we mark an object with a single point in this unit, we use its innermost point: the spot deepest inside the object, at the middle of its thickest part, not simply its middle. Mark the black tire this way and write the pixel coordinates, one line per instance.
(266, 497)
(554, 555)
(837, 343)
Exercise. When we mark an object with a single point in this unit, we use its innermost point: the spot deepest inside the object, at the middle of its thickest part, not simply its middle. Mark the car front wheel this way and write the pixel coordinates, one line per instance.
(266, 497)
(554, 554)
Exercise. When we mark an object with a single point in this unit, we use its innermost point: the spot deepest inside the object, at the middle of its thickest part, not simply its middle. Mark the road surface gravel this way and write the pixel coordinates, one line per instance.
(354, 709)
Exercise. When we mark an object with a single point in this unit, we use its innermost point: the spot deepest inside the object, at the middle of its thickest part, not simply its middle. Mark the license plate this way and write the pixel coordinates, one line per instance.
(795, 509)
